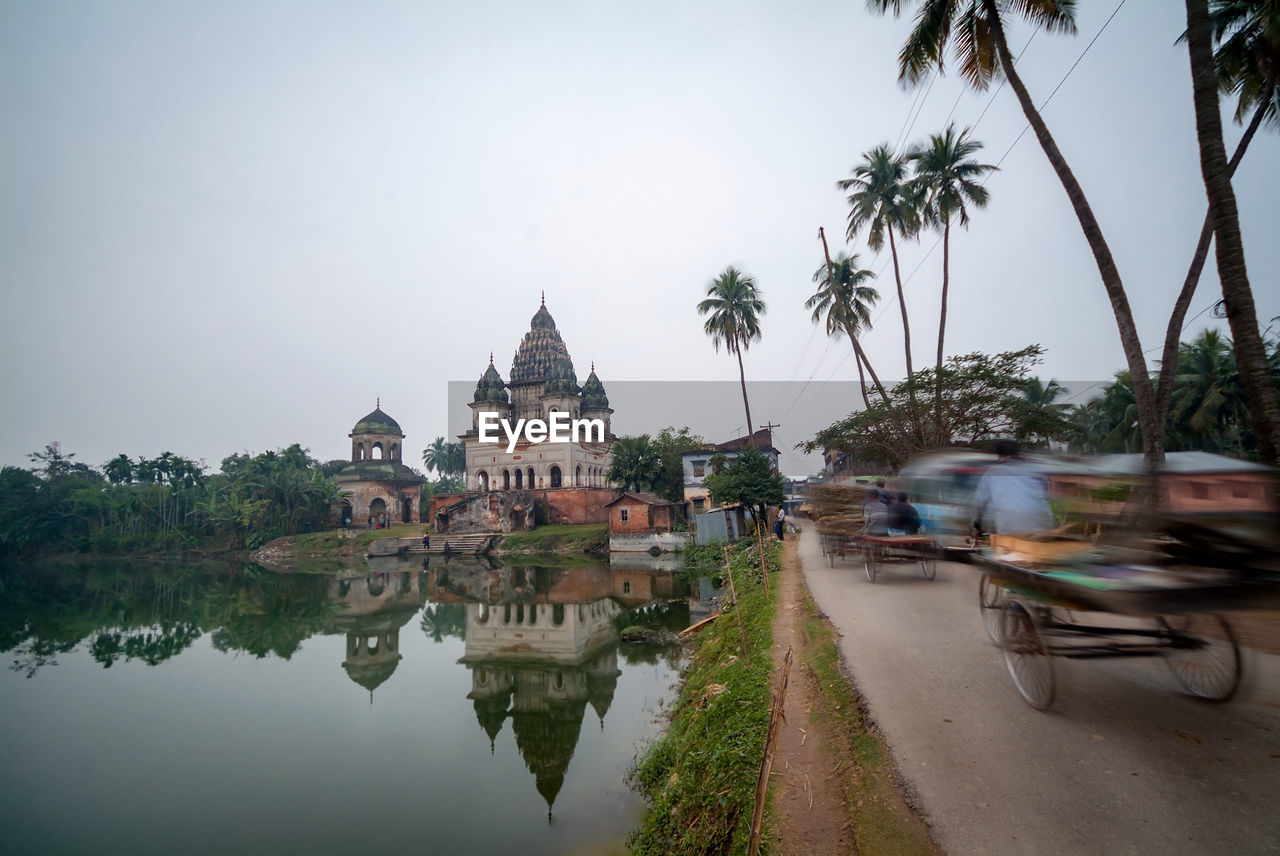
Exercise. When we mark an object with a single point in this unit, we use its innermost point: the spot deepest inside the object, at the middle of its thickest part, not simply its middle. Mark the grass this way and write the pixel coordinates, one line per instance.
(563, 538)
(882, 822)
(700, 777)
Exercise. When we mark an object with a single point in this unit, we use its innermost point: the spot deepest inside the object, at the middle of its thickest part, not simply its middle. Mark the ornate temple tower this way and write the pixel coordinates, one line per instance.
(542, 382)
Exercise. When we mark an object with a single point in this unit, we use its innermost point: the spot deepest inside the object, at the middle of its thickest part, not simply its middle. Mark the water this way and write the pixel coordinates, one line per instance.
(215, 708)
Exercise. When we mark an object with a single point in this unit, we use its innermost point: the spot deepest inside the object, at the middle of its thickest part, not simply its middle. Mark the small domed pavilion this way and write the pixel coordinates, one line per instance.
(377, 479)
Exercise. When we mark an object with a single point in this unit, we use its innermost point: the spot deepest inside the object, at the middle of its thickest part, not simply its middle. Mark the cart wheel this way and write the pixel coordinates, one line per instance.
(929, 565)
(1026, 655)
(869, 559)
(1202, 655)
(991, 600)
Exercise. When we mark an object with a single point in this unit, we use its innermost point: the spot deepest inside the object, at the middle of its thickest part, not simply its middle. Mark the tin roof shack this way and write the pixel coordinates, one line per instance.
(643, 523)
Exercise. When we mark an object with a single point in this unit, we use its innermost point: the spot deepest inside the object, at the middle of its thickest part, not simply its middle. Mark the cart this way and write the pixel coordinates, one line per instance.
(1169, 612)
(880, 550)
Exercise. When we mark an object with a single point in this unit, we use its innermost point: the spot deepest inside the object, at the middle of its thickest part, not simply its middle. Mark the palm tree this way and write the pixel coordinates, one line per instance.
(882, 199)
(1237, 295)
(1043, 416)
(950, 179)
(733, 306)
(119, 470)
(436, 456)
(843, 303)
(1206, 402)
(983, 53)
(636, 464)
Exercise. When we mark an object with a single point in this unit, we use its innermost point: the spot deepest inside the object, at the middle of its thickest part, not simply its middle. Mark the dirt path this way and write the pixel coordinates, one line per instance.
(809, 801)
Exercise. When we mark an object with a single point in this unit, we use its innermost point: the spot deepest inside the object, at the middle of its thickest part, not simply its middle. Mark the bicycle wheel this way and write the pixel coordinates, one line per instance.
(991, 601)
(929, 565)
(1203, 655)
(1027, 657)
(869, 561)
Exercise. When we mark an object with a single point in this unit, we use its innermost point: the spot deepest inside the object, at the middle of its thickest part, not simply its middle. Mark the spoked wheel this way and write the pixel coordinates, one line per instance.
(831, 559)
(869, 560)
(1026, 655)
(991, 599)
(929, 565)
(1202, 655)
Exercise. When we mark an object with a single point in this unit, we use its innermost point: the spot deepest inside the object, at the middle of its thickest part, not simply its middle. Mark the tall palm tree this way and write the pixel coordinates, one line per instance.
(1206, 403)
(882, 198)
(1247, 62)
(843, 303)
(1237, 296)
(983, 53)
(951, 181)
(733, 306)
(635, 463)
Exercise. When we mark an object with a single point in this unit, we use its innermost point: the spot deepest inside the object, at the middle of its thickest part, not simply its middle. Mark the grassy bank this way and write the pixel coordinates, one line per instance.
(700, 777)
(882, 821)
(583, 538)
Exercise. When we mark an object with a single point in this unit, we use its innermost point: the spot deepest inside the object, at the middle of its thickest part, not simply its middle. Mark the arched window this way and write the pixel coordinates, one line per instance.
(482, 613)
(519, 479)
(395, 451)
(557, 614)
(555, 477)
(532, 483)
(506, 479)
(482, 481)
(577, 476)
(376, 452)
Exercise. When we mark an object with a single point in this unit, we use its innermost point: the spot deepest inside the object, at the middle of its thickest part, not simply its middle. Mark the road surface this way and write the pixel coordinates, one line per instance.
(1123, 762)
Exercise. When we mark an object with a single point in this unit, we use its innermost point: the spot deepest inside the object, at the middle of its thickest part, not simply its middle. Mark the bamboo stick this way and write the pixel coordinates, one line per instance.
(766, 763)
(737, 609)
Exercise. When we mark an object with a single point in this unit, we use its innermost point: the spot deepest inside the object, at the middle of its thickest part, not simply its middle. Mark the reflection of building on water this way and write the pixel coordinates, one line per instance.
(541, 647)
(371, 610)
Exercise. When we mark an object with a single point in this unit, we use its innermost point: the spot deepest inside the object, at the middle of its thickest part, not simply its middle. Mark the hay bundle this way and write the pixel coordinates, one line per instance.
(837, 508)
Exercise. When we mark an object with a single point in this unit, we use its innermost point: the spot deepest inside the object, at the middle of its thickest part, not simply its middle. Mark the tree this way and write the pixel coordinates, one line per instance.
(636, 463)
(734, 306)
(843, 304)
(983, 396)
(749, 480)
(1237, 295)
(1207, 404)
(119, 470)
(1248, 63)
(670, 445)
(983, 53)
(883, 199)
(949, 179)
(1042, 416)
(436, 456)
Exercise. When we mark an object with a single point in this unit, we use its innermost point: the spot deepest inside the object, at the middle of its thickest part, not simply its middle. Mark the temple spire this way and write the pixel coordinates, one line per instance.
(544, 297)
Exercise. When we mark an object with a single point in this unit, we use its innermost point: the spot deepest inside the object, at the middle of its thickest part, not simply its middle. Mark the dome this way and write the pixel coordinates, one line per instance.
(378, 422)
(542, 356)
(593, 397)
(491, 388)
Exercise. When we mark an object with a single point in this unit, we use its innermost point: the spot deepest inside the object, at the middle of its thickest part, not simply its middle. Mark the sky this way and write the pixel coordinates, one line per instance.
(229, 227)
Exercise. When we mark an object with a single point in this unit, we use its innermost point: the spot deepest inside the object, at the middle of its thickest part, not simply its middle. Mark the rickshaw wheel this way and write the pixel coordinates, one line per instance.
(991, 601)
(929, 565)
(1026, 655)
(869, 559)
(1202, 655)
(831, 559)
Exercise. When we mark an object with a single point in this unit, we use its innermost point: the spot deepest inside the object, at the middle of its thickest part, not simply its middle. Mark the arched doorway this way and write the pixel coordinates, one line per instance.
(555, 477)
(506, 479)
(406, 510)
(532, 483)
(378, 508)
(519, 479)
(482, 478)
(375, 454)
(345, 514)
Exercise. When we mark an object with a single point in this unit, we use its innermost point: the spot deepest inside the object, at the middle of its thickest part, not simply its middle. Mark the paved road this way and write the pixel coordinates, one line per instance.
(1122, 763)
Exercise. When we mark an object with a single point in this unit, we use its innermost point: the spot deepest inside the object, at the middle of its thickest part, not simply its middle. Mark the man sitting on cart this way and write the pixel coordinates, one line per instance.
(903, 517)
(875, 514)
(1012, 496)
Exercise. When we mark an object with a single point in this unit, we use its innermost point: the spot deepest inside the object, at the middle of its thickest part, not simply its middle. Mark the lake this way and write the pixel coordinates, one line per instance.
(465, 707)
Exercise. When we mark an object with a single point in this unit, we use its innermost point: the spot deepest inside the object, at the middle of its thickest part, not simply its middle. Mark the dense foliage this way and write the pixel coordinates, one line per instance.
(750, 480)
(165, 503)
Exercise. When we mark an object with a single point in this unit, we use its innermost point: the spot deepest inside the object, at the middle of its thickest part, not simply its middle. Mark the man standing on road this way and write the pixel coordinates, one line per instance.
(1012, 496)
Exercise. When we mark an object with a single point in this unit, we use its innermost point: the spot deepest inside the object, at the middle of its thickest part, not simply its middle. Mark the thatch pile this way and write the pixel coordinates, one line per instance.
(837, 509)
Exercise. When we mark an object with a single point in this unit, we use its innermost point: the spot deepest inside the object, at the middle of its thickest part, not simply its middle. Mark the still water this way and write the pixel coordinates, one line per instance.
(461, 708)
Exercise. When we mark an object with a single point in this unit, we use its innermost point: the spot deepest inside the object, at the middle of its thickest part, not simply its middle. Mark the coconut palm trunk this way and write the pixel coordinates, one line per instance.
(1173, 335)
(1144, 392)
(1251, 358)
(862, 377)
(742, 378)
(902, 301)
(942, 326)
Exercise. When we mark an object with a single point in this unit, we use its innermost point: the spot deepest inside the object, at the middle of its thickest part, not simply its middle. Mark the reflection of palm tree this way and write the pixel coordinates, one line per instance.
(444, 619)
(734, 307)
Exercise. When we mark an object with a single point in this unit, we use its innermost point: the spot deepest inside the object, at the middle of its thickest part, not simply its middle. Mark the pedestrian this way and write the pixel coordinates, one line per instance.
(370, 522)
(426, 540)
(777, 527)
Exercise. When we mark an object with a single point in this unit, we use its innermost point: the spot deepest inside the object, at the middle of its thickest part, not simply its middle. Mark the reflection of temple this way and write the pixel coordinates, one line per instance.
(371, 610)
(541, 647)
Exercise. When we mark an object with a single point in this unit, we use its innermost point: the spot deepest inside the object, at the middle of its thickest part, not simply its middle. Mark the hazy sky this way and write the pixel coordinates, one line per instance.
(232, 226)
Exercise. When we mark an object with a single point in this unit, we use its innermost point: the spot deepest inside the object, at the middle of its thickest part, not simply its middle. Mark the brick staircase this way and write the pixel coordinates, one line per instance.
(471, 543)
